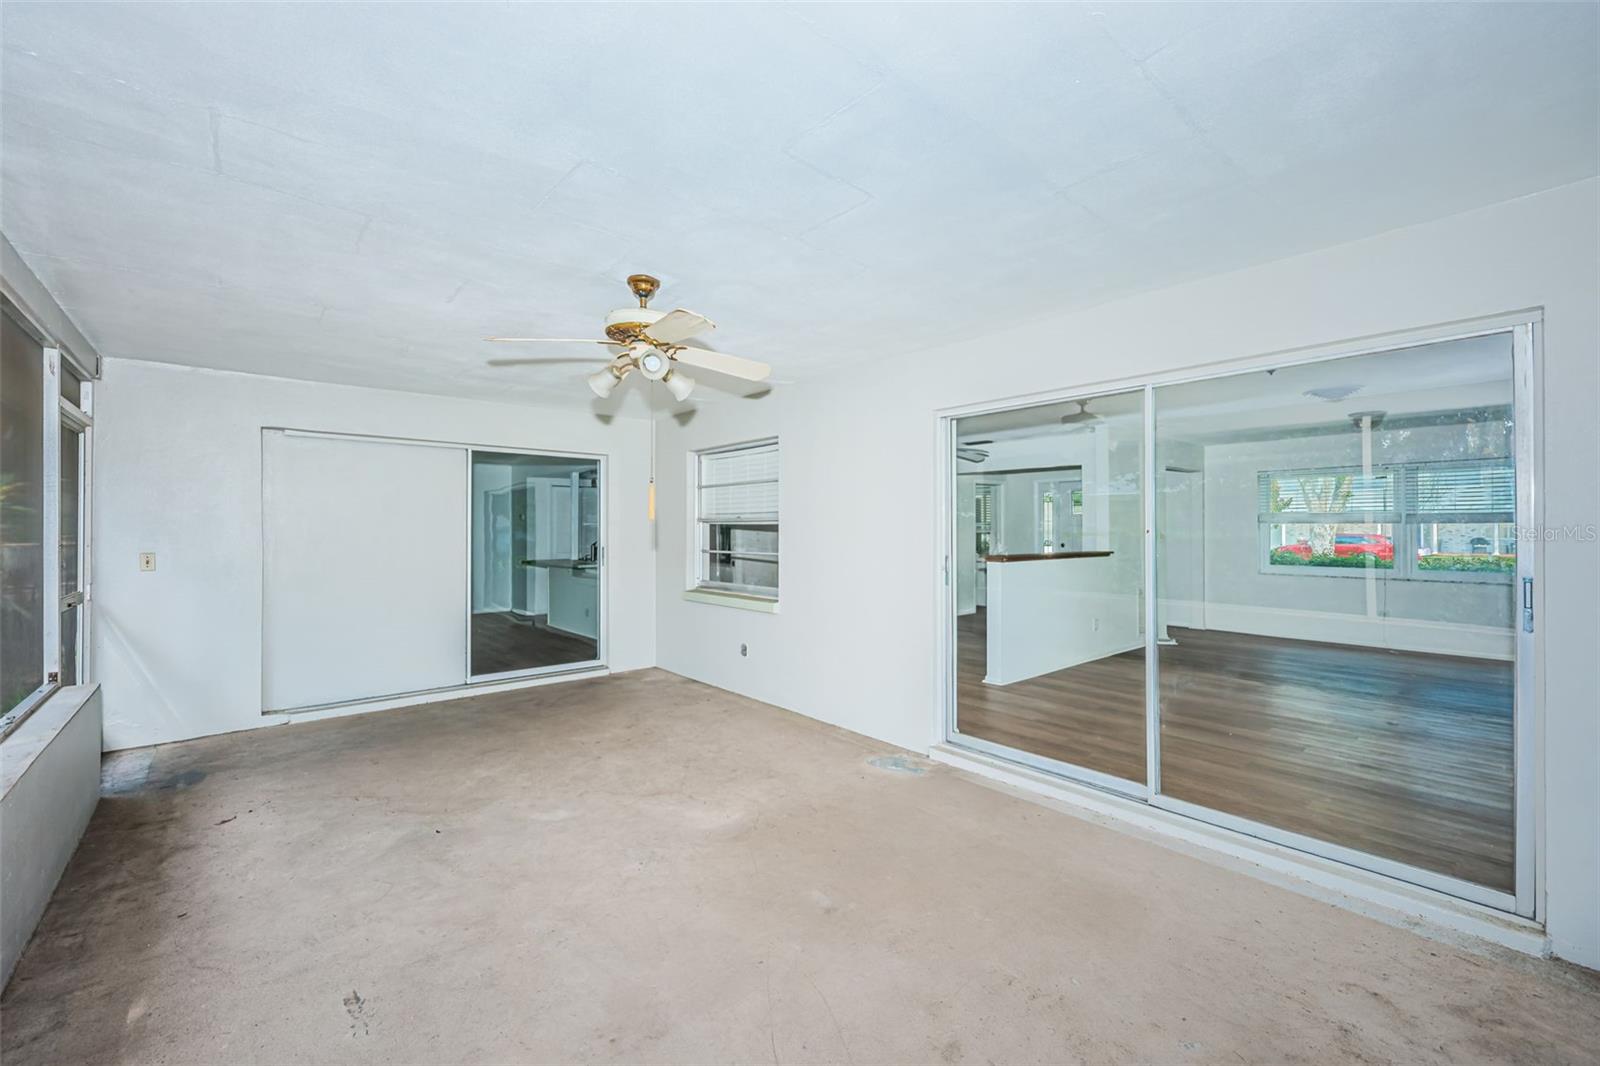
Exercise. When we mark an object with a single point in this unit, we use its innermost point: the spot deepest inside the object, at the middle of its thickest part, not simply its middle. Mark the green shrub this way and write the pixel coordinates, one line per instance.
(1362, 561)
(1473, 564)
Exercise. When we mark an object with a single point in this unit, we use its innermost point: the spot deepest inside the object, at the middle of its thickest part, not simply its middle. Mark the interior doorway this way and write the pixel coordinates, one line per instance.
(536, 560)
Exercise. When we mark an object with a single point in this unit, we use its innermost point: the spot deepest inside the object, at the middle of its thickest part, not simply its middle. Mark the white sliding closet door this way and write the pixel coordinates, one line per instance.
(364, 569)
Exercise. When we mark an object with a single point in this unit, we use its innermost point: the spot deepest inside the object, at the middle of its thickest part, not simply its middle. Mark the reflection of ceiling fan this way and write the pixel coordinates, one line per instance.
(650, 342)
(1082, 416)
(971, 455)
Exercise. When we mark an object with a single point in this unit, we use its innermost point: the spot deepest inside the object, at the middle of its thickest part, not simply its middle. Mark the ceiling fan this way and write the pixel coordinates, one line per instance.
(650, 342)
(1082, 416)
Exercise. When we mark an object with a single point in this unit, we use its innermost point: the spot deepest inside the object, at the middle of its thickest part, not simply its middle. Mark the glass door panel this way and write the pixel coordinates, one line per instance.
(1050, 657)
(535, 563)
(1336, 556)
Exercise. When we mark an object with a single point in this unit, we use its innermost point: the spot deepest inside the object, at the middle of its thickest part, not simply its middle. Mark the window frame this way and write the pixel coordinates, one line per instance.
(59, 413)
(986, 522)
(1401, 518)
(700, 586)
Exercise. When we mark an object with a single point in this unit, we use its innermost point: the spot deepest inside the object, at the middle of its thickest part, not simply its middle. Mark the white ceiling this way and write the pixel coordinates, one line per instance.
(358, 192)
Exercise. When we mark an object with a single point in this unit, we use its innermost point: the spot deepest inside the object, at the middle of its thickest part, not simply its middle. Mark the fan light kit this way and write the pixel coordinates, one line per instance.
(651, 343)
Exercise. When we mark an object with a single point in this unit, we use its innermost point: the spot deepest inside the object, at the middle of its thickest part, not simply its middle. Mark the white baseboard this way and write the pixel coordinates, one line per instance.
(1397, 634)
(556, 675)
(1187, 614)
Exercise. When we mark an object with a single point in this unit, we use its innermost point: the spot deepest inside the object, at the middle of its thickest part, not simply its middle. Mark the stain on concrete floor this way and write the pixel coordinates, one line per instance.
(900, 764)
(641, 868)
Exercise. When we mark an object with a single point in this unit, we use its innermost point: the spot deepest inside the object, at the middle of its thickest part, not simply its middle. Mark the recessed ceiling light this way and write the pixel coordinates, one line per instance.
(1333, 393)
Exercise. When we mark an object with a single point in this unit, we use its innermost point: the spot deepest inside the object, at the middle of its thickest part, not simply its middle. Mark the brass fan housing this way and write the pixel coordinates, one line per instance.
(629, 330)
(644, 286)
(626, 332)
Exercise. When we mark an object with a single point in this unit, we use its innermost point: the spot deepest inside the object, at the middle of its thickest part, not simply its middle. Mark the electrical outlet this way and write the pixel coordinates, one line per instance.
(147, 561)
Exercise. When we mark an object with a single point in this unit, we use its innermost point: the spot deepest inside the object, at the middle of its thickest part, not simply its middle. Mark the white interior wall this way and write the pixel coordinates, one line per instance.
(487, 479)
(1181, 516)
(966, 563)
(1016, 507)
(1017, 516)
(178, 472)
(856, 636)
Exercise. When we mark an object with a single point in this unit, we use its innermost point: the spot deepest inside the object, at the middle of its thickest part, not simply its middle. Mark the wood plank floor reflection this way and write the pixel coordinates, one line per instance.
(1398, 754)
(502, 641)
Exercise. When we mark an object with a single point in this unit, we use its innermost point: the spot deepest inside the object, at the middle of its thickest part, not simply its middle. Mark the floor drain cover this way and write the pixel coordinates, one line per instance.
(899, 764)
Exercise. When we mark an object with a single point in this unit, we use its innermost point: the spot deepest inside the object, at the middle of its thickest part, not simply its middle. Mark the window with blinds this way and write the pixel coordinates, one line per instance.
(1449, 520)
(1326, 492)
(983, 506)
(736, 519)
(1461, 519)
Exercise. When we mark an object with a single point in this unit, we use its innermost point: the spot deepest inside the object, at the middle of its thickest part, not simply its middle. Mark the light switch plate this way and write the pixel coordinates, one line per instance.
(147, 560)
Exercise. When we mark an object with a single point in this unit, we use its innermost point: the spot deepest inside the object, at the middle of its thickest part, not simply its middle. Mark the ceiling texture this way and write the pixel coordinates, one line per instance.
(359, 193)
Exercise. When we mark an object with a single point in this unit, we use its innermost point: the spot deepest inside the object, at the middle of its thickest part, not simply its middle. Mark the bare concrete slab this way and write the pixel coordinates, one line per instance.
(641, 868)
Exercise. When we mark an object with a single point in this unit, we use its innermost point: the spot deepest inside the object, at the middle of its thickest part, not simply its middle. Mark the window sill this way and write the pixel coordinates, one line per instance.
(743, 601)
(1458, 577)
(34, 734)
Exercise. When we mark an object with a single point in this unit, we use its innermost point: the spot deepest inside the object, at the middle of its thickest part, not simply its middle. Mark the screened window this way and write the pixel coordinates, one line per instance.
(22, 486)
(43, 432)
(736, 519)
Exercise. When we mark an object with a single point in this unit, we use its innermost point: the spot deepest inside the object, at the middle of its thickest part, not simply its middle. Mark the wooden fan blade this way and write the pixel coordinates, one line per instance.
(545, 340)
(679, 325)
(722, 363)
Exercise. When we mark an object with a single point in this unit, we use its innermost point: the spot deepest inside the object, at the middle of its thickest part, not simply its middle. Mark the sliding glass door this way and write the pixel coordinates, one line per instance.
(536, 558)
(1337, 652)
(399, 567)
(1339, 670)
(1052, 662)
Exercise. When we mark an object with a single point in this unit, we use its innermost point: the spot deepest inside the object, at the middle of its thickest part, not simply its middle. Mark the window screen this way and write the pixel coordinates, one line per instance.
(22, 494)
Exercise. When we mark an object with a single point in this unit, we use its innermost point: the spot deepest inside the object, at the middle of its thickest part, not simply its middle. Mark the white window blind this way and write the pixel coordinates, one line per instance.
(1487, 488)
(983, 501)
(740, 484)
(1451, 520)
(1289, 492)
(736, 510)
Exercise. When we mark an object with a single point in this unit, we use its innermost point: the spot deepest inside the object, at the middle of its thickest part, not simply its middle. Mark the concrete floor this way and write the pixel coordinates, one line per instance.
(640, 868)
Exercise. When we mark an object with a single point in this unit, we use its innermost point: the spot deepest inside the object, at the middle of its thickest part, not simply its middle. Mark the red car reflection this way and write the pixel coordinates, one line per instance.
(1377, 544)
